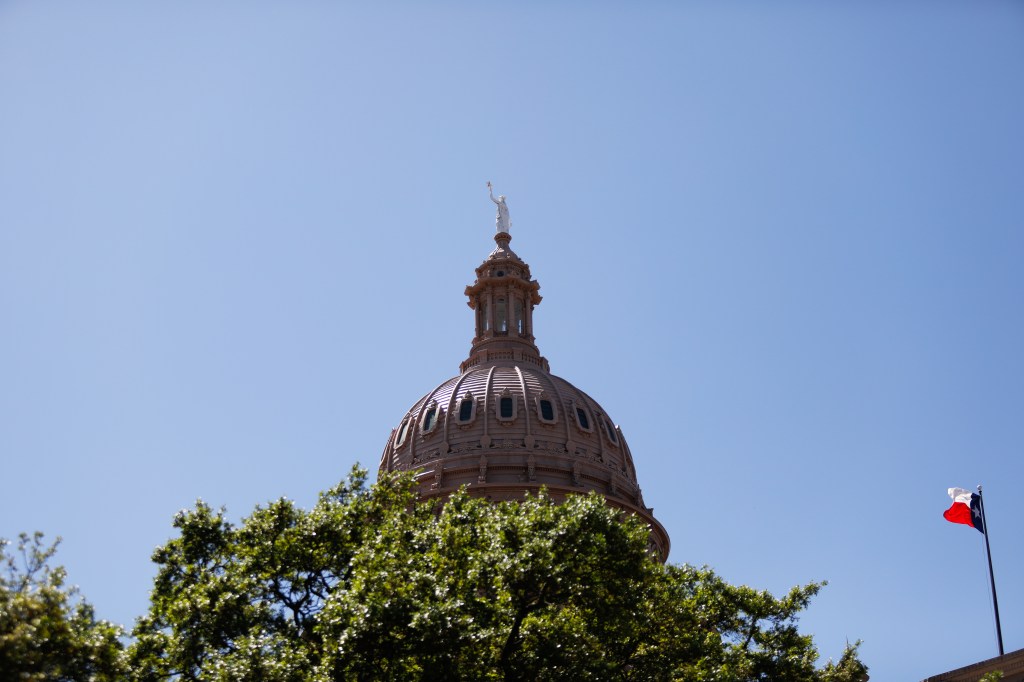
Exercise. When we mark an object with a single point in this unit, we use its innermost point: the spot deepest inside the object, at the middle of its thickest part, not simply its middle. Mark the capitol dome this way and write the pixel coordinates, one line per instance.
(505, 425)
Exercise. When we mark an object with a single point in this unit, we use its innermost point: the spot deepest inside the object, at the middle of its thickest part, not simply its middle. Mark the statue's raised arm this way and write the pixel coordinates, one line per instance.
(502, 222)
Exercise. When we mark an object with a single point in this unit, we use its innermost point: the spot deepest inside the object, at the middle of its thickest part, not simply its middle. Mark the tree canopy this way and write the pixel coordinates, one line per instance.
(47, 632)
(370, 584)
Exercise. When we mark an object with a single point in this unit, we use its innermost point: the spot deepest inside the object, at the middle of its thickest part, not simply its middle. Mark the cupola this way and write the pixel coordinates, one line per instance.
(503, 296)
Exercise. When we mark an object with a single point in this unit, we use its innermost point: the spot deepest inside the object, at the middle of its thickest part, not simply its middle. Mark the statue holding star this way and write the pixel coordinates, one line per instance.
(502, 222)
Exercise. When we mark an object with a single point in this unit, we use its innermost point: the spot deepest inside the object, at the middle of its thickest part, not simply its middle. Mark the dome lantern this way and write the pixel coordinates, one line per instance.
(503, 296)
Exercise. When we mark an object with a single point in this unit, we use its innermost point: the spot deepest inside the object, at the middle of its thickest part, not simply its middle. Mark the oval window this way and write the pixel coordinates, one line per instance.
(610, 430)
(581, 417)
(402, 430)
(466, 409)
(506, 407)
(429, 419)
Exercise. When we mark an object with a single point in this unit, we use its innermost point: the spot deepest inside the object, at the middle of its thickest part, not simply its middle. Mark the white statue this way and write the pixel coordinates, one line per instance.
(502, 222)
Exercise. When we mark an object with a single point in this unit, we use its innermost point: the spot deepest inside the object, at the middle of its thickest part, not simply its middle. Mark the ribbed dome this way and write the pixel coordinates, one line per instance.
(507, 413)
(506, 425)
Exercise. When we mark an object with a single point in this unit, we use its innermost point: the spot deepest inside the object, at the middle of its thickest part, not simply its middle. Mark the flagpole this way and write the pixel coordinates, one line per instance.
(991, 575)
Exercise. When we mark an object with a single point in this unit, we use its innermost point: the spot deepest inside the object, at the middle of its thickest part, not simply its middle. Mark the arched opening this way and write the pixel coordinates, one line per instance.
(501, 320)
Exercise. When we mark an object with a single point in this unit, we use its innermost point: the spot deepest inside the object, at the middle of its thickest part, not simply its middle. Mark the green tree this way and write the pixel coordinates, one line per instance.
(371, 584)
(47, 632)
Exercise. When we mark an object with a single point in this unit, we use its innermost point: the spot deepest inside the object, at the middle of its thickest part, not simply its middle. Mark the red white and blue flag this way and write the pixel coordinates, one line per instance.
(966, 509)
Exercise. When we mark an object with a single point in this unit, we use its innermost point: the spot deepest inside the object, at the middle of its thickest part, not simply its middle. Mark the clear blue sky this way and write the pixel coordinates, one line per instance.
(780, 242)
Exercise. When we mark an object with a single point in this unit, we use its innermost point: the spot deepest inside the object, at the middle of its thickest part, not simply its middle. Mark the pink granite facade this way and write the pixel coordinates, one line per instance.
(1011, 665)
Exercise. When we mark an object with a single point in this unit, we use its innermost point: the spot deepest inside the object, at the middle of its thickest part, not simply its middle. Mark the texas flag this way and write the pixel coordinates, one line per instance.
(966, 509)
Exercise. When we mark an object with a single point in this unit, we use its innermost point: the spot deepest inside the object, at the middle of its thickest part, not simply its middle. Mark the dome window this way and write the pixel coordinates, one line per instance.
(506, 407)
(582, 420)
(610, 430)
(546, 409)
(467, 409)
(403, 430)
(430, 419)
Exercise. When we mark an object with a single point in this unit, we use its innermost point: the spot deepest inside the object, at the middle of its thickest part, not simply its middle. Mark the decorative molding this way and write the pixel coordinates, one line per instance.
(549, 447)
(464, 447)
